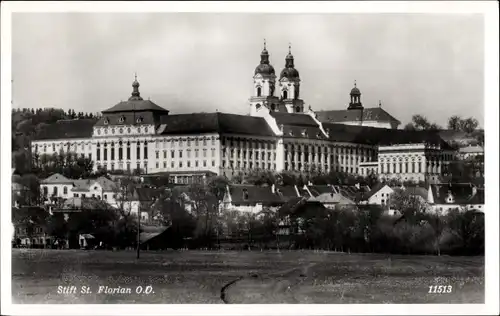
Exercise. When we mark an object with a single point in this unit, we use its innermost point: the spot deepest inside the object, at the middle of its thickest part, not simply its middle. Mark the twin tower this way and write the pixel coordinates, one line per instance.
(264, 80)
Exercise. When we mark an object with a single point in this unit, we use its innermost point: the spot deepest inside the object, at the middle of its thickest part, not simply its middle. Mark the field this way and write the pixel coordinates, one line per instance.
(242, 277)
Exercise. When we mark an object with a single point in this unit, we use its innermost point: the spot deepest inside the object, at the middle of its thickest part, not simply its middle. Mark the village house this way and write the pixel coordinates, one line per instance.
(458, 196)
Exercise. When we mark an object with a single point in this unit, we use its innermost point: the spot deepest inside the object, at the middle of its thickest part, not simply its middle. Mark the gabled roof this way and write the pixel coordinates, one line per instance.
(252, 194)
(365, 114)
(317, 190)
(78, 128)
(374, 190)
(310, 132)
(332, 198)
(57, 178)
(214, 123)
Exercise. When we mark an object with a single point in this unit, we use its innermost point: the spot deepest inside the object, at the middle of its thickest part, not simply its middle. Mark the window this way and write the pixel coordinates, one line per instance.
(259, 91)
(204, 153)
(204, 142)
(157, 165)
(164, 164)
(180, 164)
(105, 152)
(105, 196)
(120, 151)
(204, 163)
(164, 154)
(157, 155)
(172, 165)
(213, 163)
(112, 151)
(128, 151)
(180, 153)
(189, 164)
(172, 153)
(213, 152)
(213, 141)
(98, 153)
(145, 150)
(138, 150)
(196, 163)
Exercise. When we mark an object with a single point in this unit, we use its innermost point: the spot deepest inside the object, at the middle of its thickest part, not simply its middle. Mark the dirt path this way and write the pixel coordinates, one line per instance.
(277, 287)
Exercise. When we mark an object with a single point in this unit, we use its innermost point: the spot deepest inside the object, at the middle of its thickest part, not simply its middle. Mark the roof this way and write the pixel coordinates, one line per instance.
(129, 118)
(214, 123)
(462, 193)
(78, 128)
(147, 194)
(417, 191)
(135, 105)
(57, 178)
(293, 119)
(365, 114)
(380, 136)
(374, 190)
(85, 184)
(146, 236)
(252, 194)
(333, 198)
(77, 203)
(471, 149)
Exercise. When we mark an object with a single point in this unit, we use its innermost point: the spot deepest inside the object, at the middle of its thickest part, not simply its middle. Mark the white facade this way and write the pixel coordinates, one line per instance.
(382, 196)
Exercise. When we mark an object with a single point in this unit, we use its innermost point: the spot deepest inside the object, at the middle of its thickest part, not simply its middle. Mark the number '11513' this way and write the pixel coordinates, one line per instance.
(440, 289)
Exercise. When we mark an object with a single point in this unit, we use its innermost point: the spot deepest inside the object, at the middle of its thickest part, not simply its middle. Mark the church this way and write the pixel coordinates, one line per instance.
(278, 134)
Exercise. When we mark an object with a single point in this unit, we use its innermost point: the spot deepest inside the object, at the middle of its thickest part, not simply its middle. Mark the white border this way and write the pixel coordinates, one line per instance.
(488, 8)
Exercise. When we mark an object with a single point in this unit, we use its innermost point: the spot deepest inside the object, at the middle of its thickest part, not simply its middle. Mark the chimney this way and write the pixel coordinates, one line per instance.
(273, 189)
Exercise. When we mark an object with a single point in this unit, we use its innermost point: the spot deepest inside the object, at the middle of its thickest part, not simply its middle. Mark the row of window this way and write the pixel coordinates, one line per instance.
(188, 164)
(242, 143)
(188, 153)
(329, 148)
(249, 165)
(251, 155)
(188, 142)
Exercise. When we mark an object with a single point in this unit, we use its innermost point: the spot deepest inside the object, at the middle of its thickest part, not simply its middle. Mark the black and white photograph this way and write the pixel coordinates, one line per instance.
(172, 156)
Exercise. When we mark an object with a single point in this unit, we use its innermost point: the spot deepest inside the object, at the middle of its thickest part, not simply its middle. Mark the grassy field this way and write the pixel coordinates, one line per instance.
(243, 277)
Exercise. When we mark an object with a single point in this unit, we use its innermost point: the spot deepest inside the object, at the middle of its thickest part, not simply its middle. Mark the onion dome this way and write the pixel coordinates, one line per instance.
(135, 92)
(289, 71)
(264, 68)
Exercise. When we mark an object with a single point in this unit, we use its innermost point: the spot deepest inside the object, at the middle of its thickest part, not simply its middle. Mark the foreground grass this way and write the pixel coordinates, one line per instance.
(260, 277)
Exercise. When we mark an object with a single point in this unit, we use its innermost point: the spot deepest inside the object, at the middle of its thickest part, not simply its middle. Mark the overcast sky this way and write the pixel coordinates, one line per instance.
(203, 62)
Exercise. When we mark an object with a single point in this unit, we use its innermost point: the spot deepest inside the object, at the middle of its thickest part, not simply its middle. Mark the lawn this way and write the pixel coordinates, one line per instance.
(243, 277)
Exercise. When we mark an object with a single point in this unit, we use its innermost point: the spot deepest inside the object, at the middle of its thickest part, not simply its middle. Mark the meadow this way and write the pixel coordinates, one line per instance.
(233, 277)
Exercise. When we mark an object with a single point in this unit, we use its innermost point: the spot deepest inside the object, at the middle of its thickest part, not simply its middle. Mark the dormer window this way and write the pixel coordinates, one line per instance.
(139, 119)
(121, 119)
(106, 121)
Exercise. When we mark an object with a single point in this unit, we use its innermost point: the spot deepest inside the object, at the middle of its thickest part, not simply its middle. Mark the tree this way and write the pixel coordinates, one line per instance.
(469, 125)
(420, 122)
(454, 123)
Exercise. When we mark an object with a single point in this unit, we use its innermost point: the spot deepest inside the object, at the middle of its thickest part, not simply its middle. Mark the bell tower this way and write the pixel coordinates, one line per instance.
(290, 86)
(264, 82)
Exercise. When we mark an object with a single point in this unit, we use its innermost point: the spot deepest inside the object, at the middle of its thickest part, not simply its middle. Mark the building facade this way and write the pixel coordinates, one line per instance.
(278, 134)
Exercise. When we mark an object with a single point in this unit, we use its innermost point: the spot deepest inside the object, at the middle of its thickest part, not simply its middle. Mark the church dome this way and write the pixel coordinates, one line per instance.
(290, 73)
(264, 69)
(355, 90)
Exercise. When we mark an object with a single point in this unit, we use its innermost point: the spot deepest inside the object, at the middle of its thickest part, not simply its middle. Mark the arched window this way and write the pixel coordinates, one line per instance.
(65, 190)
(128, 150)
(55, 191)
(259, 91)
(45, 191)
(120, 150)
(285, 94)
(98, 151)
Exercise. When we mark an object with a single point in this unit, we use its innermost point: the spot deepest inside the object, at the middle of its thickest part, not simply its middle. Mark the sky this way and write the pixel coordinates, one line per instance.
(428, 64)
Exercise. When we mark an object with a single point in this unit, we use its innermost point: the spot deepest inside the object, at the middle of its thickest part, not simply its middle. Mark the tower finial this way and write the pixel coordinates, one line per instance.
(289, 47)
(379, 103)
(135, 76)
(355, 83)
(264, 43)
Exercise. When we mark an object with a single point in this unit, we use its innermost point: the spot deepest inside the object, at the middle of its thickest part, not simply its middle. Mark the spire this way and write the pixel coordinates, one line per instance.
(354, 83)
(264, 56)
(135, 91)
(379, 103)
(289, 57)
